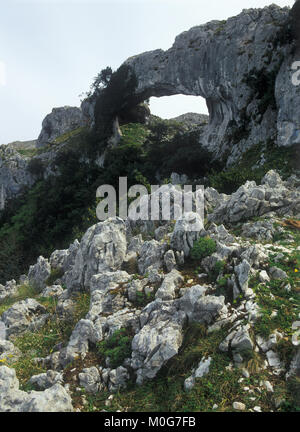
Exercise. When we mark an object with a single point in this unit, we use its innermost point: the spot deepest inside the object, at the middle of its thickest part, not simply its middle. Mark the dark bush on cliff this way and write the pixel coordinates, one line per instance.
(113, 99)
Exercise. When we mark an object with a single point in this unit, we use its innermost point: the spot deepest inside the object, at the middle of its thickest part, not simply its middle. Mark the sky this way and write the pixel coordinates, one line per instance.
(51, 50)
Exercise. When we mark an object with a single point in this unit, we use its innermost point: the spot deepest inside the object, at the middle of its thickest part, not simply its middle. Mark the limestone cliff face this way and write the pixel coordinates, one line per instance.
(58, 122)
(15, 173)
(234, 65)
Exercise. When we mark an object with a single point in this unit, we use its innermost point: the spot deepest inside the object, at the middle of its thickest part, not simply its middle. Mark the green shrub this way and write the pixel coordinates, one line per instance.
(202, 248)
(217, 270)
(222, 288)
(36, 168)
(28, 152)
(114, 99)
(54, 275)
(133, 133)
(142, 299)
(117, 347)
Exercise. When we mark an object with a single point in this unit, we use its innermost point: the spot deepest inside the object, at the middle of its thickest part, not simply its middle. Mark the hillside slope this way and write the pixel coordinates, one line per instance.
(153, 315)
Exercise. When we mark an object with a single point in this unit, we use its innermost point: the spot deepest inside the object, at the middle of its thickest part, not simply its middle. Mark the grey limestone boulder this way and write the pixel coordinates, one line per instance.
(186, 232)
(158, 340)
(90, 379)
(46, 380)
(199, 307)
(151, 255)
(54, 399)
(8, 352)
(39, 273)
(102, 248)
(201, 371)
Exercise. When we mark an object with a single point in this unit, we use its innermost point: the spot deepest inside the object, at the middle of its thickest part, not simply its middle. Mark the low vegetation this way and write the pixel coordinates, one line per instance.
(24, 291)
(41, 343)
(166, 393)
(116, 348)
(203, 248)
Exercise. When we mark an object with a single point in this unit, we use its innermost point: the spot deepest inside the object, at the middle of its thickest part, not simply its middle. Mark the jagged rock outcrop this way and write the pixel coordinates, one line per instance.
(14, 174)
(39, 273)
(239, 341)
(102, 248)
(58, 122)
(221, 61)
(251, 200)
(16, 171)
(151, 255)
(46, 380)
(171, 283)
(201, 308)
(8, 290)
(186, 232)
(64, 259)
(23, 145)
(159, 339)
(96, 379)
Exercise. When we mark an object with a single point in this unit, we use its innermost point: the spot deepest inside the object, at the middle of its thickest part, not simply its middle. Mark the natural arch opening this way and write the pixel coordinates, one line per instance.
(169, 107)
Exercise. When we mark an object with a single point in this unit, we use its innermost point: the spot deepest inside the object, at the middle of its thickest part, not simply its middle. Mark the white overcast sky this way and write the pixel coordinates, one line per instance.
(50, 50)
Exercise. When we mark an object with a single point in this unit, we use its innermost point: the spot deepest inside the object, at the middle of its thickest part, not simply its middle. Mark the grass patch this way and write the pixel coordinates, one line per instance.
(28, 152)
(68, 135)
(280, 301)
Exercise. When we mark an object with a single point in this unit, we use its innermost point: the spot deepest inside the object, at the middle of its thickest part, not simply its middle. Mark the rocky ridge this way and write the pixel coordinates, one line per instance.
(140, 282)
(223, 61)
(242, 67)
